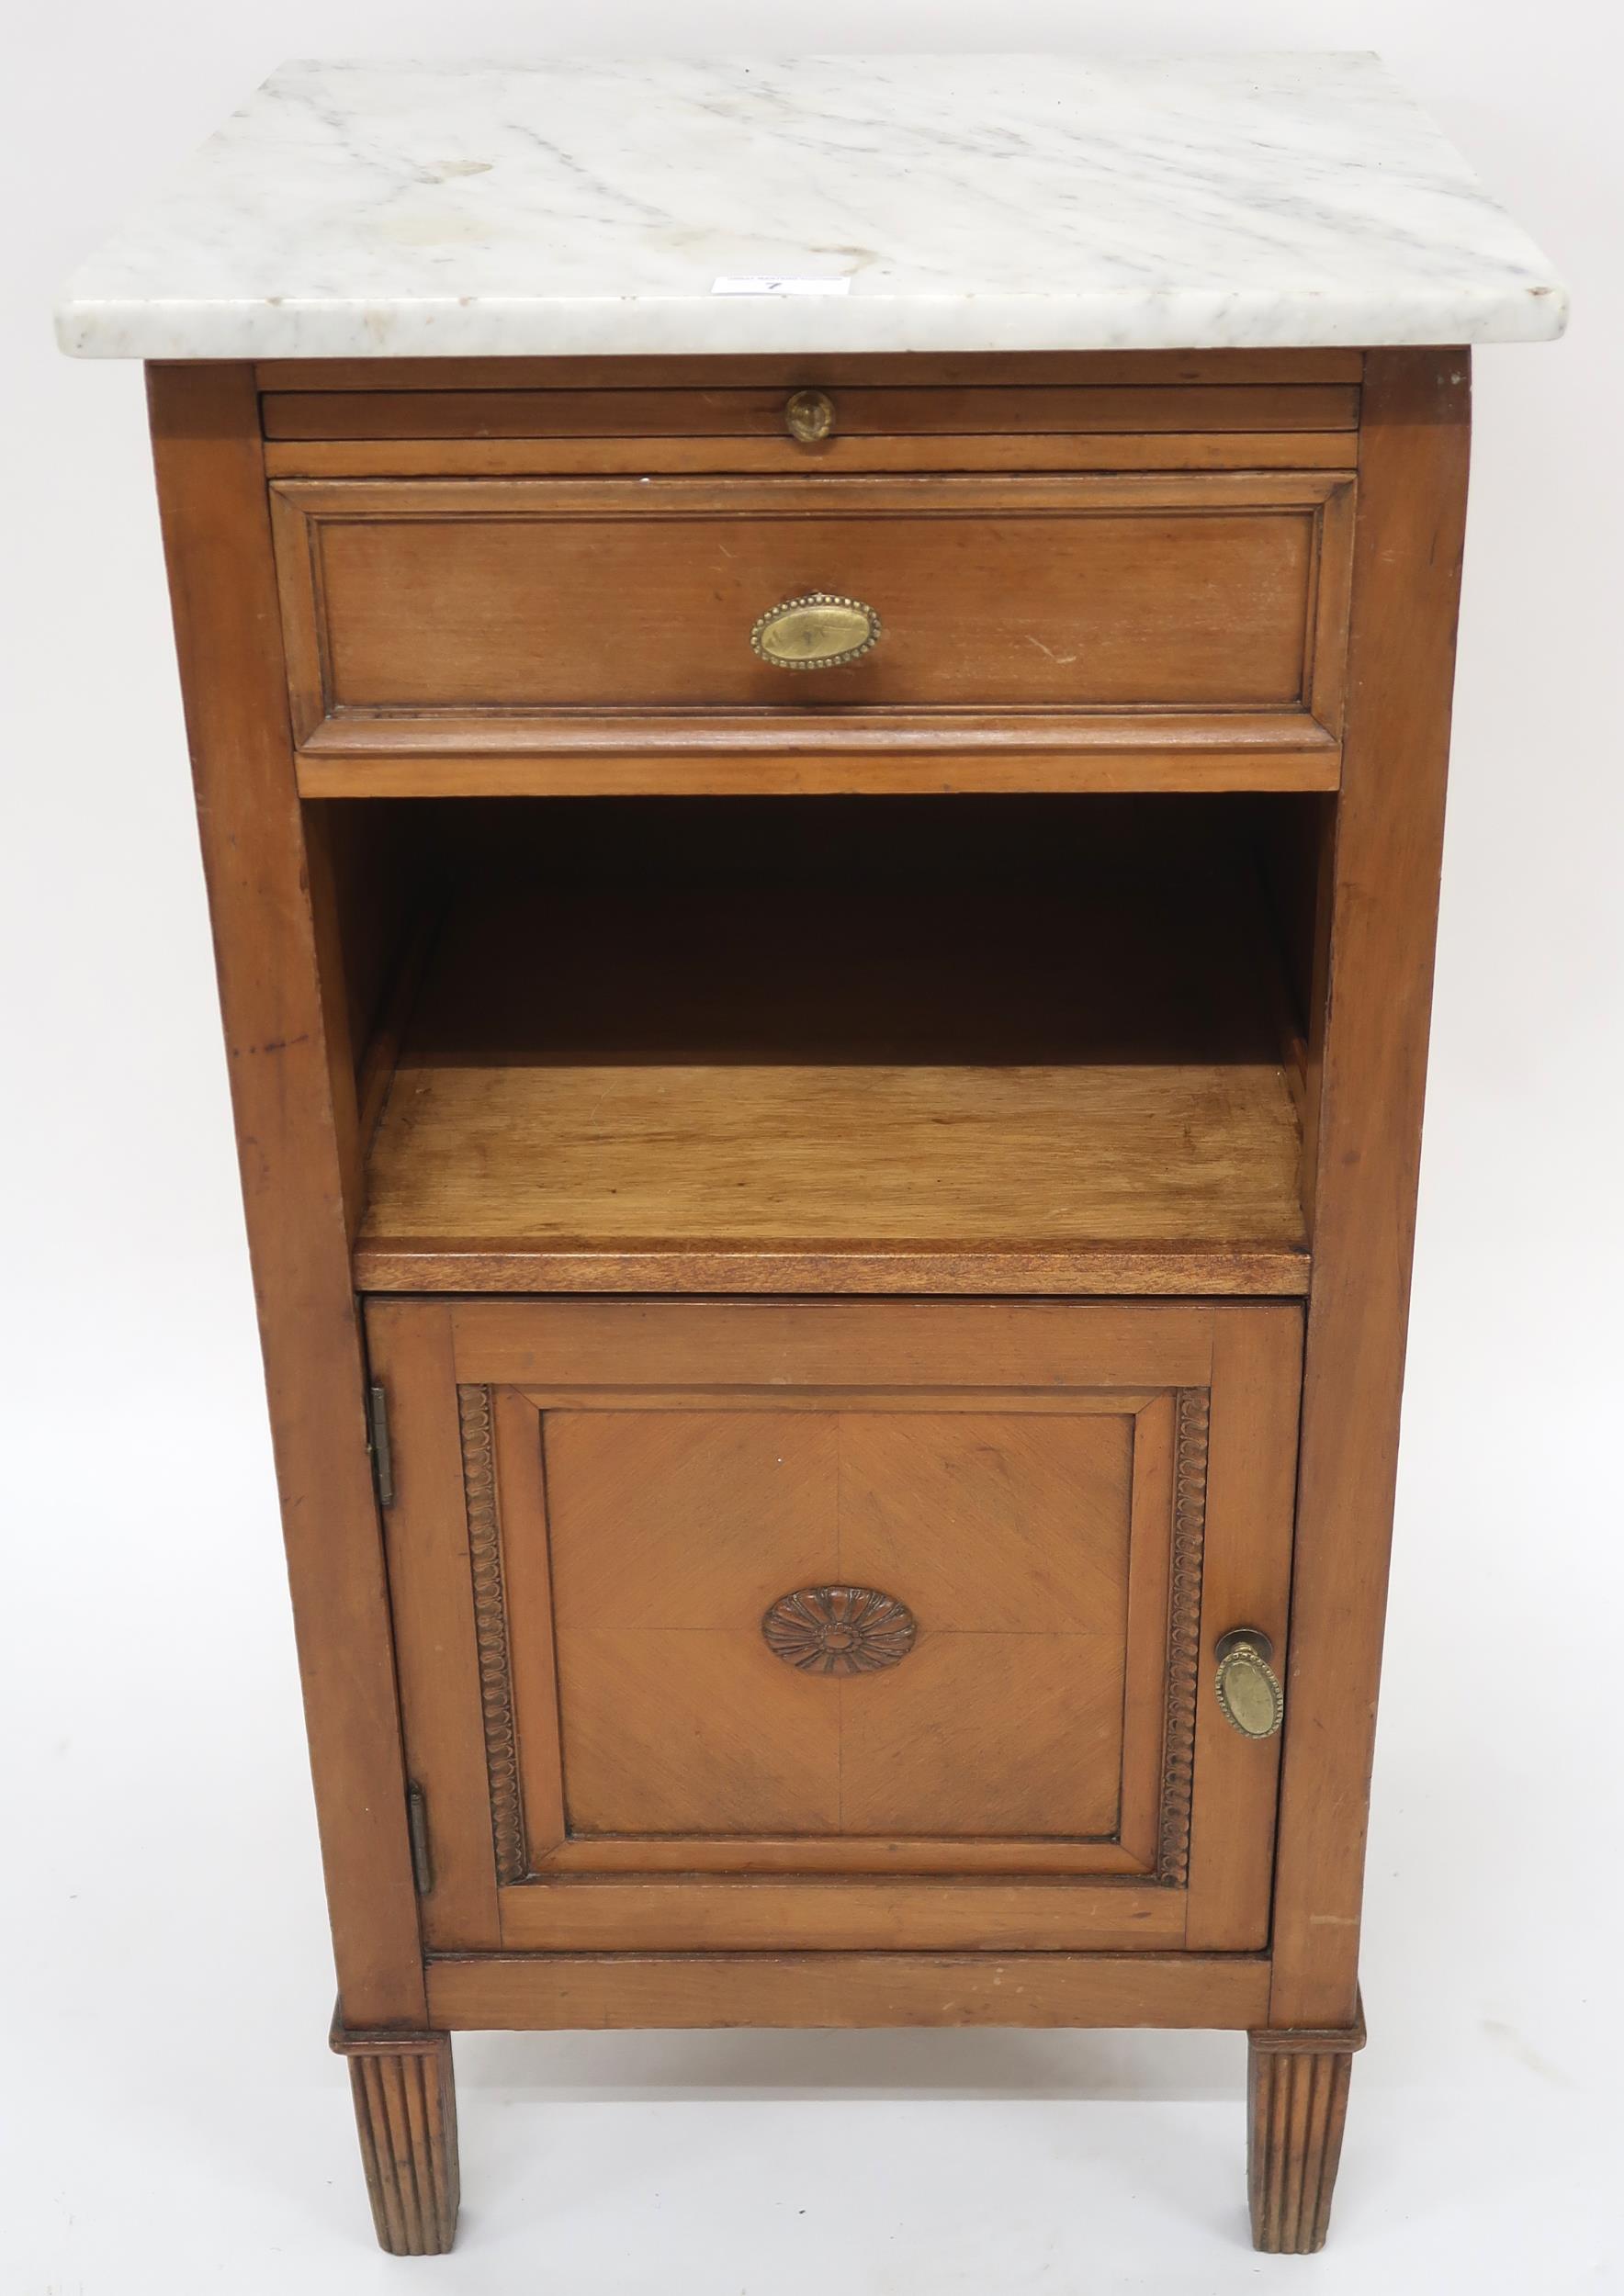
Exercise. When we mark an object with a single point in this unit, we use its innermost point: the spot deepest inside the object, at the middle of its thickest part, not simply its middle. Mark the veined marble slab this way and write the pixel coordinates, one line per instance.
(845, 203)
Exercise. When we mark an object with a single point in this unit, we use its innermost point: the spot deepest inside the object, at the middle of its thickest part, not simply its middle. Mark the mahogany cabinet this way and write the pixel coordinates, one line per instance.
(826, 964)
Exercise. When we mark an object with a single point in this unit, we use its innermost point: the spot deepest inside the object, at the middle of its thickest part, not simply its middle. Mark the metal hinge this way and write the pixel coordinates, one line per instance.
(378, 1436)
(417, 1826)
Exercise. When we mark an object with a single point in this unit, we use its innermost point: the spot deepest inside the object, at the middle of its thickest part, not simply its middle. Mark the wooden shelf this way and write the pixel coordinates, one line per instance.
(956, 1092)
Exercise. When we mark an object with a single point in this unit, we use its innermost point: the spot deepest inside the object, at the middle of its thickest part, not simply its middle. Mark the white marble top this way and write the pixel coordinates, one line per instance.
(836, 203)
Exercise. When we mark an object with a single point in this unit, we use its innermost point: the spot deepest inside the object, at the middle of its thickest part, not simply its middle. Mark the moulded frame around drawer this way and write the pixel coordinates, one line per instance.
(598, 630)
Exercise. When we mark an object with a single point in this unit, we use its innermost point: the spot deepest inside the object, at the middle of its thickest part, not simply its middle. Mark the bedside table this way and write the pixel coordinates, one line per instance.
(820, 695)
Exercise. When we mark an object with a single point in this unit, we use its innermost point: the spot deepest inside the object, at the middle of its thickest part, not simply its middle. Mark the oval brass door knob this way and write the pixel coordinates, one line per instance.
(809, 415)
(1248, 1688)
(839, 1629)
(817, 631)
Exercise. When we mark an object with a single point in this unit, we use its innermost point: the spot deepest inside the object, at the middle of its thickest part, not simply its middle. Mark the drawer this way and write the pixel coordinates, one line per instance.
(463, 616)
(836, 1625)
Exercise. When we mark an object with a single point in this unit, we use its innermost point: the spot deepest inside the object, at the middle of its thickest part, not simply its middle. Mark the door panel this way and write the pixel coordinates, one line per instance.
(672, 1532)
(1002, 1750)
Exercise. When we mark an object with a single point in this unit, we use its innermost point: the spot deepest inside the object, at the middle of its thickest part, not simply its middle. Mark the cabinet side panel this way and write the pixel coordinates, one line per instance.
(217, 541)
(1413, 459)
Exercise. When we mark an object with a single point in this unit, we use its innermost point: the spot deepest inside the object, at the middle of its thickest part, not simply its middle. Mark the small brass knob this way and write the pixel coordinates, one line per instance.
(1249, 1693)
(809, 415)
(817, 631)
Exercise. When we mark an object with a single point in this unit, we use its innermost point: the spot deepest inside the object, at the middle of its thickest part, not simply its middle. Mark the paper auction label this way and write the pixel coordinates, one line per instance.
(768, 285)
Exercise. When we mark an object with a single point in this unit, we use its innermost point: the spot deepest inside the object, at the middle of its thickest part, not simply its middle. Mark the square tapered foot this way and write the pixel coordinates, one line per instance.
(1297, 2085)
(406, 2112)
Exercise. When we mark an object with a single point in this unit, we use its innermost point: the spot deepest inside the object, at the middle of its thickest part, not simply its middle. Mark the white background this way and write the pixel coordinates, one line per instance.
(174, 2124)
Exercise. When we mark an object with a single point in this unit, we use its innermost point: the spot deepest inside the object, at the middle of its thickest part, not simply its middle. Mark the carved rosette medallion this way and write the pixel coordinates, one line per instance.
(839, 1629)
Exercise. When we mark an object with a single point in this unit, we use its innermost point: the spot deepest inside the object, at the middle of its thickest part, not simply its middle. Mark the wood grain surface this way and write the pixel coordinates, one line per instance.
(393, 456)
(1007, 1534)
(575, 1992)
(909, 369)
(405, 2099)
(1024, 594)
(288, 1082)
(1092, 1087)
(1370, 1079)
(1023, 1778)
(861, 410)
(1297, 2084)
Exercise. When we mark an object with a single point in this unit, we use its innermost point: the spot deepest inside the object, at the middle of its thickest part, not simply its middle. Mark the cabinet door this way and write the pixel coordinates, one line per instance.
(830, 1624)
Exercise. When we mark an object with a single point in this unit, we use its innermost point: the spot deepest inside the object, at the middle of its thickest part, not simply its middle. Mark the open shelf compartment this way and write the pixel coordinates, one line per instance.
(927, 1046)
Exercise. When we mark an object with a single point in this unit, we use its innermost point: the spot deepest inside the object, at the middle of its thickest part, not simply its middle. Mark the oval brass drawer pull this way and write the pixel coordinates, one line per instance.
(1248, 1688)
(839, 1629)
(817, 631)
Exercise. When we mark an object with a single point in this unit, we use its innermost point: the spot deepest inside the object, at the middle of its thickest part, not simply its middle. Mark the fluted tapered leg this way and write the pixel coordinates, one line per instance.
(1298, 2086)
(406, 2113)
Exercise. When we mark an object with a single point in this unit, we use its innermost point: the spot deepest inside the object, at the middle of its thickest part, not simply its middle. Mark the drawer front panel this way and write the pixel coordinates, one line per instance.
(906, 1656)
(529, 611)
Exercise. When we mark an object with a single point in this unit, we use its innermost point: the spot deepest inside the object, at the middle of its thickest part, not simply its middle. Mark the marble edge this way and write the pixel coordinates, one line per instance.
(695, 326)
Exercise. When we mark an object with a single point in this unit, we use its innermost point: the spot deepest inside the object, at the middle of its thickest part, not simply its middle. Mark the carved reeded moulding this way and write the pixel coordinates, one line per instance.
(1298, 2082)
(1184, 1635)
(496, 1695)
(405, 2101)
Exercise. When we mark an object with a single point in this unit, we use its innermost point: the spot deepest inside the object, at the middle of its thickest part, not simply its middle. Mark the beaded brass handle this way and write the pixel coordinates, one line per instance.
(1248, 1688)
(817, 631)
